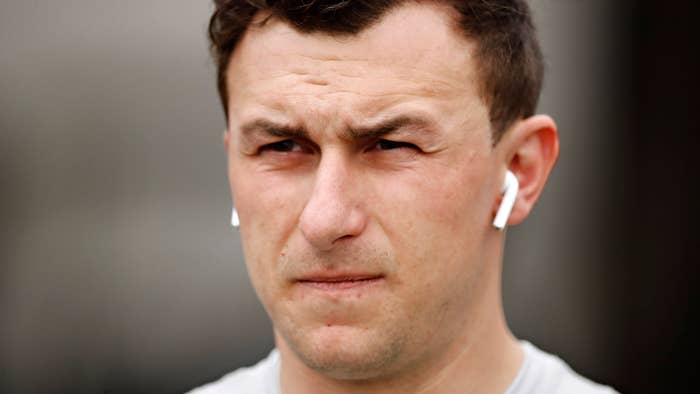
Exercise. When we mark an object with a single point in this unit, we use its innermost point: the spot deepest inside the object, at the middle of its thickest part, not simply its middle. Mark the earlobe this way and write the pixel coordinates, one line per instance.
(532, 149)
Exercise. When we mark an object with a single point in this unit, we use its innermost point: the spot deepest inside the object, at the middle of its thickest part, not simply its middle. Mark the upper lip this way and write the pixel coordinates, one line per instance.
(338, 277)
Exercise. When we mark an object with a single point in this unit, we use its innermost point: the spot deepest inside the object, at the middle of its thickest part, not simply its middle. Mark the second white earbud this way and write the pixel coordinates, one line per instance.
(234, 218)
(510, 191)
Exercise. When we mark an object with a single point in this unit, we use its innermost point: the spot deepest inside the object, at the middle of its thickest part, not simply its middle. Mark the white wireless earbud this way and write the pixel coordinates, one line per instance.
(510, 191)
(234, 218)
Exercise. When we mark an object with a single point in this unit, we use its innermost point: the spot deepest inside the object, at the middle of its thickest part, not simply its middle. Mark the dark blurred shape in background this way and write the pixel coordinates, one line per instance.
(119, 273)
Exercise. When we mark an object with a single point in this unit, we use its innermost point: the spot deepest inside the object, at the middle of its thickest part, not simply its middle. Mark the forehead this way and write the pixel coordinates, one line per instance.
(413, 52)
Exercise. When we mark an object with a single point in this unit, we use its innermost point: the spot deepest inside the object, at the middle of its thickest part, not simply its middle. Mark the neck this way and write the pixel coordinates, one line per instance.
(483, 358)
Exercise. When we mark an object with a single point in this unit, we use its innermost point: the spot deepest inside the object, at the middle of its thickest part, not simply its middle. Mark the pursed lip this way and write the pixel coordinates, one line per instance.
(339, 280)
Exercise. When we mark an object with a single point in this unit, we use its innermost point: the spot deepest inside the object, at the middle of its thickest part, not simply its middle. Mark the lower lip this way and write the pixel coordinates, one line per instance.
(342, 285)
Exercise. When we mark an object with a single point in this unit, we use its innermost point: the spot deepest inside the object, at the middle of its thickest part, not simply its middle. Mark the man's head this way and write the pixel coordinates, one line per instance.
(364, 170)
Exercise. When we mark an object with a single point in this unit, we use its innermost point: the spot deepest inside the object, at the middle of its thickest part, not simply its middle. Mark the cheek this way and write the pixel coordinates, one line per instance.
(449, 200)
(268, 203)
(437, 225)
(268, 216)
(438, 272)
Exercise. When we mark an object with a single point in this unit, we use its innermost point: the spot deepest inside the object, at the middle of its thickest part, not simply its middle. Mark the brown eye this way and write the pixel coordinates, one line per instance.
(282, 146)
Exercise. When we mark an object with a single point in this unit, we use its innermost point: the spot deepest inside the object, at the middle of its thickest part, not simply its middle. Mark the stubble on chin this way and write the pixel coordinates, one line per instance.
(355, 357)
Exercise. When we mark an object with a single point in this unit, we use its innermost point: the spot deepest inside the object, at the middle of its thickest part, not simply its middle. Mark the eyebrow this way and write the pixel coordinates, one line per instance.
(389, 126)
(377, 130)
(274, 129)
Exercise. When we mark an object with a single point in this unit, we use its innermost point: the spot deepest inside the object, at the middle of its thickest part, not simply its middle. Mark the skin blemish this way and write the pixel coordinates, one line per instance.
(316, 81)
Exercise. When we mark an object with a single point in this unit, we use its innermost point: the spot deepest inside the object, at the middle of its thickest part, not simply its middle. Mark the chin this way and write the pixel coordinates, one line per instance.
(347, 353)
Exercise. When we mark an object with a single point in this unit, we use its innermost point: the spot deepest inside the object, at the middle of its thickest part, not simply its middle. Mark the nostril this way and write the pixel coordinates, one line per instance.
(345, 237)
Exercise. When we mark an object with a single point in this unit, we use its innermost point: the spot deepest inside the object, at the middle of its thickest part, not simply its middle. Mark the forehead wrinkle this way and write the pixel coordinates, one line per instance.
(340, 72)
(329, 90)
(322, 103)
(328, 75)
(421, 67)
(328, 105)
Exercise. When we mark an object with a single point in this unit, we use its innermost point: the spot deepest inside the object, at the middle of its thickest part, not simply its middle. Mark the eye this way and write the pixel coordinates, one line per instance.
(389, 145)
(282, 146)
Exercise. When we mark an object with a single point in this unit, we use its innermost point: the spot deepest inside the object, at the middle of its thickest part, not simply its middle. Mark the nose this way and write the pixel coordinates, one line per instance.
(334, 210)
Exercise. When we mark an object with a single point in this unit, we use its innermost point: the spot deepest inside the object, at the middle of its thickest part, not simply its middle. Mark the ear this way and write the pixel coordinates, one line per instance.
(530, 150)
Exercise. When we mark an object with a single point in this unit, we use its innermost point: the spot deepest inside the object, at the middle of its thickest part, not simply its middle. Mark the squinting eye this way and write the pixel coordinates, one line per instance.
(387, 145)
(282, 146)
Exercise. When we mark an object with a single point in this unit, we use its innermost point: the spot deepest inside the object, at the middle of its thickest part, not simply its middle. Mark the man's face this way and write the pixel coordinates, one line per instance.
(364, 176)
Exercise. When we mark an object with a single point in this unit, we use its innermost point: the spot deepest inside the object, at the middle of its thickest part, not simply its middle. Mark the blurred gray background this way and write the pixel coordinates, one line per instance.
(119, 272)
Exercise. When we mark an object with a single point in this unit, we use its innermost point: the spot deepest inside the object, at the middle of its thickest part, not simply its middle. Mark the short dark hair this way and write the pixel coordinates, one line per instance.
(509, 60)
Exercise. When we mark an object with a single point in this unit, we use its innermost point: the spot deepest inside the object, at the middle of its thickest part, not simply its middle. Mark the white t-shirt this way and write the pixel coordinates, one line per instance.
(541, 373)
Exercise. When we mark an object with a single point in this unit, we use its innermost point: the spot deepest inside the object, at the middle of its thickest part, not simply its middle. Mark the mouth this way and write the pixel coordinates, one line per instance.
(340, 282)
